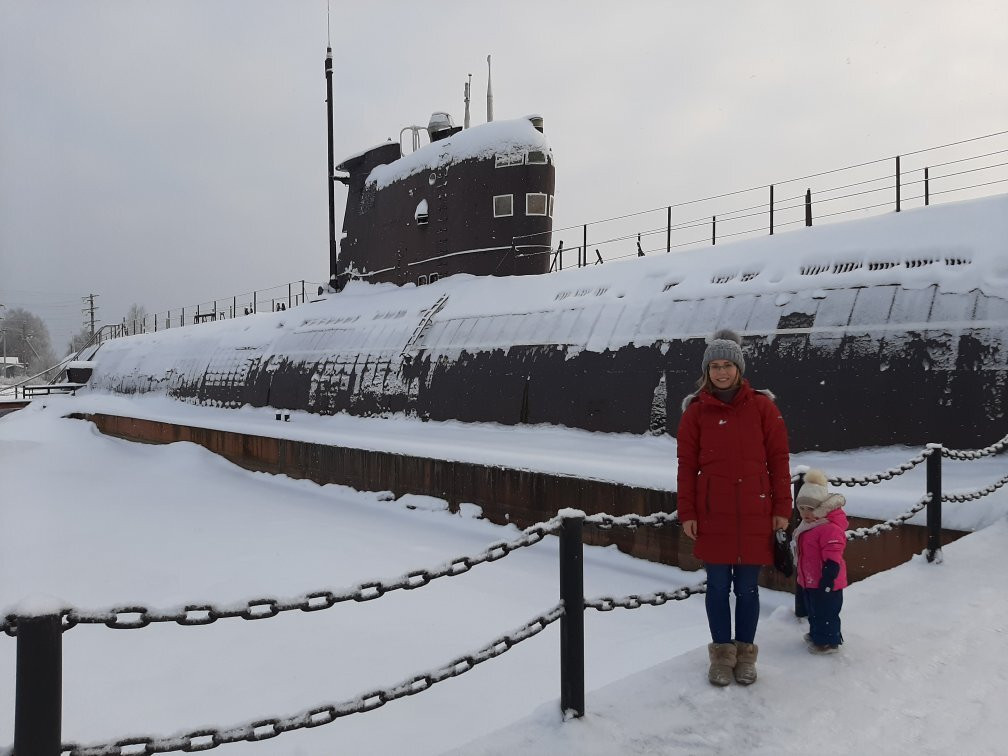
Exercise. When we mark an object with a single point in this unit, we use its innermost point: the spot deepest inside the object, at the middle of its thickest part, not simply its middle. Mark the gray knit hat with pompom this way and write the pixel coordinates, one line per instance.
(726, 345)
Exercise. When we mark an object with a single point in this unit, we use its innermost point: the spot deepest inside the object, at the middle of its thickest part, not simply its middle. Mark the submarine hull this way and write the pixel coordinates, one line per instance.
(910, 352)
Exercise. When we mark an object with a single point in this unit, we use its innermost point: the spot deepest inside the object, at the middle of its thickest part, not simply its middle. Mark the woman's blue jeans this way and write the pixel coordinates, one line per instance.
(721, 578)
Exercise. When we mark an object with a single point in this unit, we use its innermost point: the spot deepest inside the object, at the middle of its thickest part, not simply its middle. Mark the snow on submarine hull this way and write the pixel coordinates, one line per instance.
(890, 330)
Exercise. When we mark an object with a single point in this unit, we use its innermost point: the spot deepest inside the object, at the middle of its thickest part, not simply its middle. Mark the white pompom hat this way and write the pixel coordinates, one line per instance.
(814, 496)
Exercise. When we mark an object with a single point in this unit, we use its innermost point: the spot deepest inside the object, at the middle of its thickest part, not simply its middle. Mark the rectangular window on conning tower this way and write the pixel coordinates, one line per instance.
(503, 205)
(535, 204)
(536, 157)
(551, 206)
(503, 161)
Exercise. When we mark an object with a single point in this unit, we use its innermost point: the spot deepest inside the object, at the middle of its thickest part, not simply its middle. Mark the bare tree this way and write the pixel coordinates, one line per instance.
(27, 338)
(79, 340)
(136, 318)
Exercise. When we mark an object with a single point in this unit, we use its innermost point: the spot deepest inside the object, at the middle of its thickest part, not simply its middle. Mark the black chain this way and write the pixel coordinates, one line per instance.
(976, 453)
(132, 617)
(632, 521)
(974, 495)
(889, 474)
(608, 603)
(890, 524)
(210, 737)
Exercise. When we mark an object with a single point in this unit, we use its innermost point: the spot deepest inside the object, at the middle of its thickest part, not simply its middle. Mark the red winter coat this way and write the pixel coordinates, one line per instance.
(734, 475)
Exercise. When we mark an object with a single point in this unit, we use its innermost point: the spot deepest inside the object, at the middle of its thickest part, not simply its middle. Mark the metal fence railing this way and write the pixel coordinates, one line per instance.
(965, 169)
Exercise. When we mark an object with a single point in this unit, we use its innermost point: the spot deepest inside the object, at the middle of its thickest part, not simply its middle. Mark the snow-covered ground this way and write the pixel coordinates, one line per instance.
(97, 521)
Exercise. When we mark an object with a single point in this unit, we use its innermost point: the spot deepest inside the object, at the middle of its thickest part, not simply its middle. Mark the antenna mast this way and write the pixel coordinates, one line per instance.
(332, 171)
(489, 94)
(467, 87)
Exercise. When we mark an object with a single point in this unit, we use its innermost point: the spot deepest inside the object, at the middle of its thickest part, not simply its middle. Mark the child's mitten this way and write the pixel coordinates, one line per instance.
(830, 570)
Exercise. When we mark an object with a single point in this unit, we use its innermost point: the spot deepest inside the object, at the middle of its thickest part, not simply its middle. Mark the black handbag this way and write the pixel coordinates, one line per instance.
(783, 559)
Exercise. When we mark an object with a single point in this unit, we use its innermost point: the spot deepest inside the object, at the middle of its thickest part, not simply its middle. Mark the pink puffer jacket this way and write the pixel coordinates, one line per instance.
(819, 543)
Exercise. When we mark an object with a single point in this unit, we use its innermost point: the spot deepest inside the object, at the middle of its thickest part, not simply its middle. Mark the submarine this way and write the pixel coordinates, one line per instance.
(441, 305)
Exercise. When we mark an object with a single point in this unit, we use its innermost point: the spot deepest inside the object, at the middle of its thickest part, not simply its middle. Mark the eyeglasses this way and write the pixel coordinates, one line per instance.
(726, 367)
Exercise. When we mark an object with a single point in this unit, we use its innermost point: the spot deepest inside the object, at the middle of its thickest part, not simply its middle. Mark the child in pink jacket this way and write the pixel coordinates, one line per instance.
(819, 541)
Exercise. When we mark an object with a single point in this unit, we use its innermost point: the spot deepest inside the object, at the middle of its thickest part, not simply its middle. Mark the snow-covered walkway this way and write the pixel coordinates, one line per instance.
(98, 521)
(922, 671)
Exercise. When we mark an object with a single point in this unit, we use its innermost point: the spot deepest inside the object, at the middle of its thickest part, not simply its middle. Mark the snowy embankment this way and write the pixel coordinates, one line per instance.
(97, 521)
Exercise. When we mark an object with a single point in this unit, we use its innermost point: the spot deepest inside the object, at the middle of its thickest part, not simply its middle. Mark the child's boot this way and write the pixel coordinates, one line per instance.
(745, 665)
(722, 663)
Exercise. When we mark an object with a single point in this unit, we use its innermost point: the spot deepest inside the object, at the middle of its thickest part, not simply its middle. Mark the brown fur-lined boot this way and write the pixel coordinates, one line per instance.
(722, 662)
(745, 666)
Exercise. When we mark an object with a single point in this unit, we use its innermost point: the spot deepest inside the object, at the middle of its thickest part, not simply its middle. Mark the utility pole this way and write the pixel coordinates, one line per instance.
(89, 312)
(3, 332)
(27, 337)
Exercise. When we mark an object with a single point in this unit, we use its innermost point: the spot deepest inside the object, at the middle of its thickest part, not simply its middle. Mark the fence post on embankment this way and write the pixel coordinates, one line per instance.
(572, 621)
(799, 596)
(934, 505)
(39, 686)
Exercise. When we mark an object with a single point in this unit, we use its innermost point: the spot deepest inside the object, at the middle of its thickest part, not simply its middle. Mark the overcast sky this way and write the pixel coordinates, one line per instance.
(171, 153)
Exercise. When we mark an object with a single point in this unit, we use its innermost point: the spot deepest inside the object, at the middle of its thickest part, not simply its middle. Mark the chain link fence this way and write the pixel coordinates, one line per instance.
(263, 729)
(191, 615)
(567, 524)
(890, 524)
(976, 453)
(979, 493)
(608, 603)
(868, 480)
(632, 521)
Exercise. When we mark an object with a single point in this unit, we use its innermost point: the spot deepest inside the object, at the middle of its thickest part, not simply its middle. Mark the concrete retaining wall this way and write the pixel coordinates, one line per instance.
(505, 495)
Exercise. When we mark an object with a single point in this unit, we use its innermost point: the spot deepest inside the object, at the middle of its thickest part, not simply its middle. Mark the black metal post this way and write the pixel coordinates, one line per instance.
(289, 295)
(897, 184)
(584, 246)
(572, 621)
(668, 232)
(255, 306)
(934, 512)
(771, 209)
(927, 189)
(800, 608)
(808, 207)
(39, 689)
(713, 229)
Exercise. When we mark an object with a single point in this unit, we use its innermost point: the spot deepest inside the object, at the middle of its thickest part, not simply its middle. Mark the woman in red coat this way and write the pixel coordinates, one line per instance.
(734, 491)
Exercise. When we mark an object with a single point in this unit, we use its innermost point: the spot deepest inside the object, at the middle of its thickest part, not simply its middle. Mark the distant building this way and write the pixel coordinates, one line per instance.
(11, 366)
